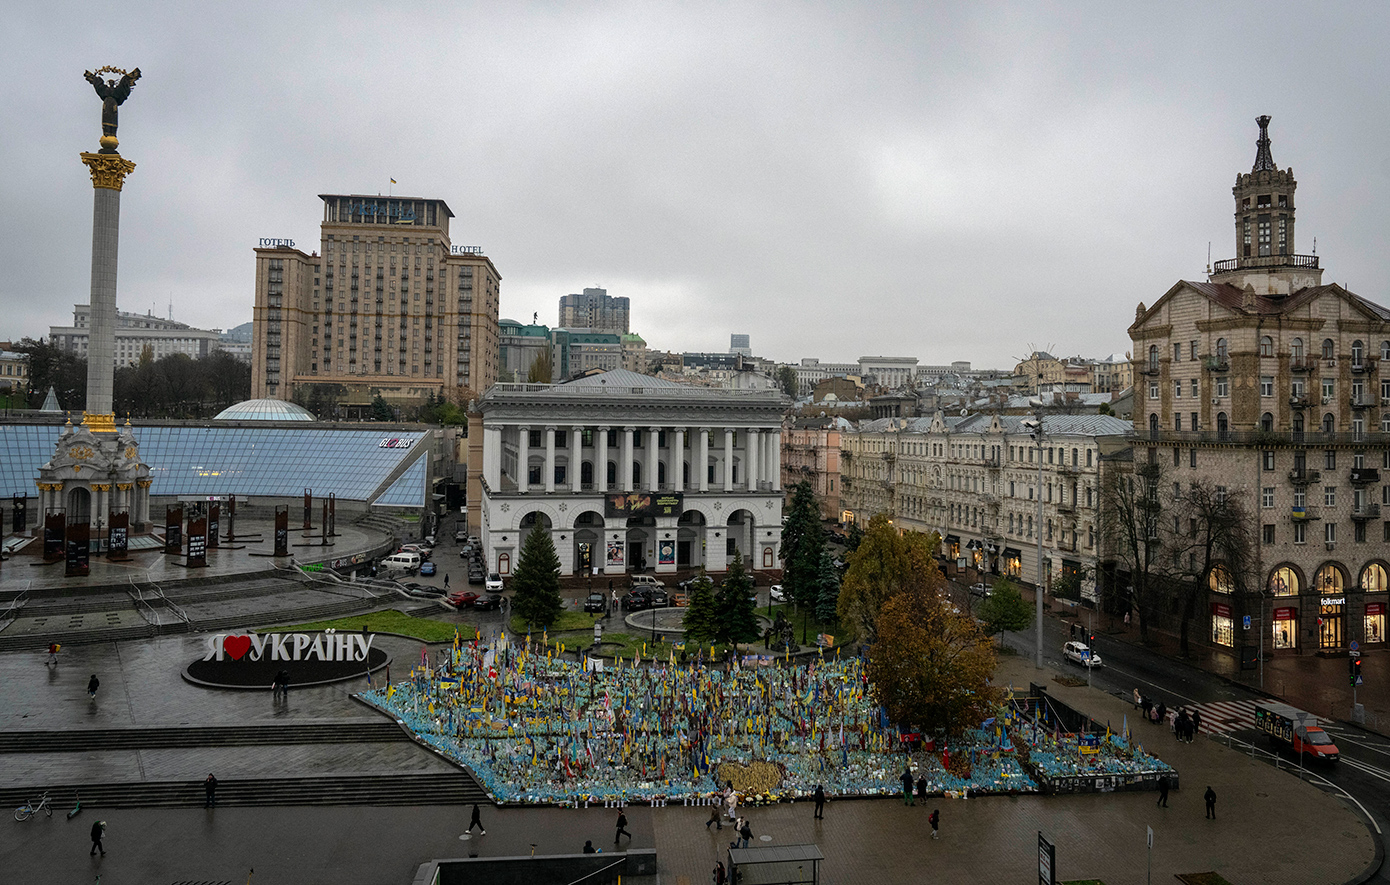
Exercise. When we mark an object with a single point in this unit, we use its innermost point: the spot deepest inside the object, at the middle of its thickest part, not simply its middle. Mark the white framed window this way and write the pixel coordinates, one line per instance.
(1267, 385)
(1223, 386)
(1177, 390)
(1329, 532)
(1267, 496)
(1329, 496)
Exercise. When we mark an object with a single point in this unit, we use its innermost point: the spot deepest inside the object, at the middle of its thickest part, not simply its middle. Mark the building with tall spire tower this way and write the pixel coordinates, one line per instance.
(1270, 390)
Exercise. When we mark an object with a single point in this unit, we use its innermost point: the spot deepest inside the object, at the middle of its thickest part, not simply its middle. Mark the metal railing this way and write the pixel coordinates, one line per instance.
(1226, 265)
(12, 610)
(603, 876)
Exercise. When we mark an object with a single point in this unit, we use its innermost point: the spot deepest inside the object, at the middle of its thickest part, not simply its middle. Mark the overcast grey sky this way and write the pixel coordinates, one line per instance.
(947, 181)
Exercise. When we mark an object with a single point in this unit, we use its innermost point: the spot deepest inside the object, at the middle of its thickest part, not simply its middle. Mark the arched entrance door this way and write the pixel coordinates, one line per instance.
(640, 532)
(740, 537)
(690, 535)
(588, 543)
(79, 506)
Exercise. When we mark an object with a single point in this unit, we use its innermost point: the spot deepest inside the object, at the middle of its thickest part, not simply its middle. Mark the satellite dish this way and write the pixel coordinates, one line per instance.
(964, 412)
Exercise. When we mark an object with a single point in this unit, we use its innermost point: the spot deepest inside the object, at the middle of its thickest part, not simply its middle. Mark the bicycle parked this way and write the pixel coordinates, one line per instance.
(31, 808)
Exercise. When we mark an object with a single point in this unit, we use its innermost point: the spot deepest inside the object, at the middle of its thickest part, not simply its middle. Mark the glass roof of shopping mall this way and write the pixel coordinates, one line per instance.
(265, 410)
(354, 465)
(408, 491)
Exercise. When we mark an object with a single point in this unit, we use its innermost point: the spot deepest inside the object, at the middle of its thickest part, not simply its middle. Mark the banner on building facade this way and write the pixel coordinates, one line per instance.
(630, 504)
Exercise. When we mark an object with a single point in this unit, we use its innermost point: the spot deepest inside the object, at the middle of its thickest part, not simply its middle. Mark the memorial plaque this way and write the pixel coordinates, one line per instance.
(198, 542)
(282, 530)
(214, 523)
(118, 538)
(79, 541)
(173, 529)
(55, 527)
(308, 509)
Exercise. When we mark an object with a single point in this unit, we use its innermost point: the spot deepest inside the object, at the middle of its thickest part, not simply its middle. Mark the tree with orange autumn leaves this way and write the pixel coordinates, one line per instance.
(929, 663)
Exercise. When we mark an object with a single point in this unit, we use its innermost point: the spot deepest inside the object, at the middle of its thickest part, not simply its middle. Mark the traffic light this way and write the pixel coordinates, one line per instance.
(1355, 668)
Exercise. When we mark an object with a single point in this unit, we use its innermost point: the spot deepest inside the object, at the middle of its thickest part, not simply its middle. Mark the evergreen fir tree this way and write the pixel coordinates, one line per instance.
(536, 581)
(827, 587)
(733, 604)
(700, 621)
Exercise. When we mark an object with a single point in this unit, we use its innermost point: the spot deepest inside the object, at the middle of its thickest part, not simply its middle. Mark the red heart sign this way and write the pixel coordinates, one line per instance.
(237, 646)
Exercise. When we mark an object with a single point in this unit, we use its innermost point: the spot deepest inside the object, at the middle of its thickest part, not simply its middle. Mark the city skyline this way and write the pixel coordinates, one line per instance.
(834, 183)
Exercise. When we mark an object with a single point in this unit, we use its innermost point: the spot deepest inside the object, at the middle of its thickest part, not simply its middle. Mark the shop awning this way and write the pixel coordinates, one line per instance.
(1012, 551)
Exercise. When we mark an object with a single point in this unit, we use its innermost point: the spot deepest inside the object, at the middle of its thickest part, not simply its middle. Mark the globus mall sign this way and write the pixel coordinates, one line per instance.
(253, 660)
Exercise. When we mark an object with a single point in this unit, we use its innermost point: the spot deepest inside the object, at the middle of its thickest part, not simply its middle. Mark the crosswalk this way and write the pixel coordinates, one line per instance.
(1223, 717)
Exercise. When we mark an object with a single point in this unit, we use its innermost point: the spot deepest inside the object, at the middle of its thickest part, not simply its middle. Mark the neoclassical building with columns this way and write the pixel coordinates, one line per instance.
(627, 472)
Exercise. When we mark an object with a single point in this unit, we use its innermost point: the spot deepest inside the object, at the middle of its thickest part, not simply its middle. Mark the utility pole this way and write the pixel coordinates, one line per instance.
(1035, 427)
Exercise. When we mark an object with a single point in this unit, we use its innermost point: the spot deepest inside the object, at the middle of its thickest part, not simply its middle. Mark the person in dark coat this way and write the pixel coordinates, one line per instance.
(820, 802)
(1196, 722)
(1210, 796)
(589, 846)
(745, 833)
(210, 791)
(922, 788)
(622, 827)
(98, 830)
(92, 685)
(1162, 712)
(1184, 726)
(907, 786)
(714, 818)
(720, 875)
(476, 821)
(1162, 791)
(935, 820)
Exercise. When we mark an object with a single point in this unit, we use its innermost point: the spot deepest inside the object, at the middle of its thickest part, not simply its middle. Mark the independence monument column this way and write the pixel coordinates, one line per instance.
(109, 170)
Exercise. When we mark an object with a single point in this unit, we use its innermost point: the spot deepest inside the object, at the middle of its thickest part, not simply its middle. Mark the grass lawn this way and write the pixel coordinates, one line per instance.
(392, 621)
(568, 621)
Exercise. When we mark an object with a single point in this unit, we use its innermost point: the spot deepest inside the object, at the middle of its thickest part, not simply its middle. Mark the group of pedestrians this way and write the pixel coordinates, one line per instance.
(1184, 726)
(921, 784)
(1209, 797)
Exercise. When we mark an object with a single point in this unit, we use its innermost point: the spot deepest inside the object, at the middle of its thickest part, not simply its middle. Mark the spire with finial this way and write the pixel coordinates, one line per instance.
(1264, 161)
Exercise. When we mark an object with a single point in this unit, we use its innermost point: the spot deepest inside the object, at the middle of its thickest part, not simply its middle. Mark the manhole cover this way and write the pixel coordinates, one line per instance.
(765, 838)
(465, 837)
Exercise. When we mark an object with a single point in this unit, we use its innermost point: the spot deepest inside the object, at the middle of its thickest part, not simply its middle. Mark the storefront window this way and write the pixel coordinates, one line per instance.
(1373, 578)
(1013, 565)
(1328, 579)
(1222, 627)
(1219, 580)
(1285, 628)
(1331, 621)
(1283, 582)
(1374, 626)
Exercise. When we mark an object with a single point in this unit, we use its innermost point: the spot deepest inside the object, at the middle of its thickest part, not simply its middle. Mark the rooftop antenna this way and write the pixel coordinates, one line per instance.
(1315, 245)
(1208, 257)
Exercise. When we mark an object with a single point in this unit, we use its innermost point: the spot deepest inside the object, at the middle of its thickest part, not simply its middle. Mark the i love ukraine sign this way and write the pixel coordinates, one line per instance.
(252, 660)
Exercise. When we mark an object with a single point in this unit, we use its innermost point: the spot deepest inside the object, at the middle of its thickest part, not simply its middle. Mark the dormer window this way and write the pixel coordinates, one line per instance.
(1283, 201)
(1263, 201)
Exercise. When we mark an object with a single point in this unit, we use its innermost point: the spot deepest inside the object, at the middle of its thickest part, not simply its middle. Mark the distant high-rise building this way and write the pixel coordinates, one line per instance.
(594, 310)
(739, 344)
(135, 332)
(390, 306)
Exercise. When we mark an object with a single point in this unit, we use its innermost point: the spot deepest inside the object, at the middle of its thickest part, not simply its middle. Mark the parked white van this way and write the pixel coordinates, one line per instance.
(402, 562)
(645, 581)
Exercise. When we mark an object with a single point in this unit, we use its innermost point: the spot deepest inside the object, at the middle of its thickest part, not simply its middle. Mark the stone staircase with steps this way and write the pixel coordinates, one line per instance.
(79, 740)
(448, 788)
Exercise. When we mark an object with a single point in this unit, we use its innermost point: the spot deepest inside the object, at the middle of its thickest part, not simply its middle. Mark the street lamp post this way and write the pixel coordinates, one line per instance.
(1035, 427)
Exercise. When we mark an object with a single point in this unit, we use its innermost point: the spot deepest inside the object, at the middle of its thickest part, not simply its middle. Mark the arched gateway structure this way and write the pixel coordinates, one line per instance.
(627, 472)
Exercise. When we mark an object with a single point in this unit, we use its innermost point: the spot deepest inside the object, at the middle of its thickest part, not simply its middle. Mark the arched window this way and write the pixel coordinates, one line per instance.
(612, 474)
(636, 474)
(1221, 350)
(1329, 349)
(1266, 346)
(1328, 579)
(1329, 423)
(1267, 422)
(586, 474)
(1385, 350)
(1153, 357)
(1153, 426)
(1283, 581)
(661, 473)
(1373, 578)
(1296, 350)
(1219, 580)
(1222, 428)
(1358, 351)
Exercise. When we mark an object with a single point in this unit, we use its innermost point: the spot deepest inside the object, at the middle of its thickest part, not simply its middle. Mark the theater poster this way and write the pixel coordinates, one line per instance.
(173, 529)
(666, 553)
(214, 523)
(615, 553)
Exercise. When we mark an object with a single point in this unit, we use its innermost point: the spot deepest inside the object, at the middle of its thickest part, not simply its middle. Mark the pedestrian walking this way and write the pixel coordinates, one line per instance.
(745, 833)
(210, 792)
(1146, 705)
(720, 875)
(446, 580)
(1163, 791)
(1196, 722)
(589, 847)
(935, 820)
(1161, 712)
(1210, 796)
(476, 821)
(98, 830)
(53, 649)
(92, 685)
(622, 827)
(714, 818)
(820, 802)
(907, 786)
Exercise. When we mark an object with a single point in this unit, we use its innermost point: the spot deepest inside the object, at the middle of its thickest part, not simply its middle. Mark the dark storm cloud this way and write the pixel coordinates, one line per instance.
(950, 182)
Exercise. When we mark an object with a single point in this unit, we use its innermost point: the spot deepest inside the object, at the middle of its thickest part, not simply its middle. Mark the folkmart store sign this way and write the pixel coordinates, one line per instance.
(253, 661)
